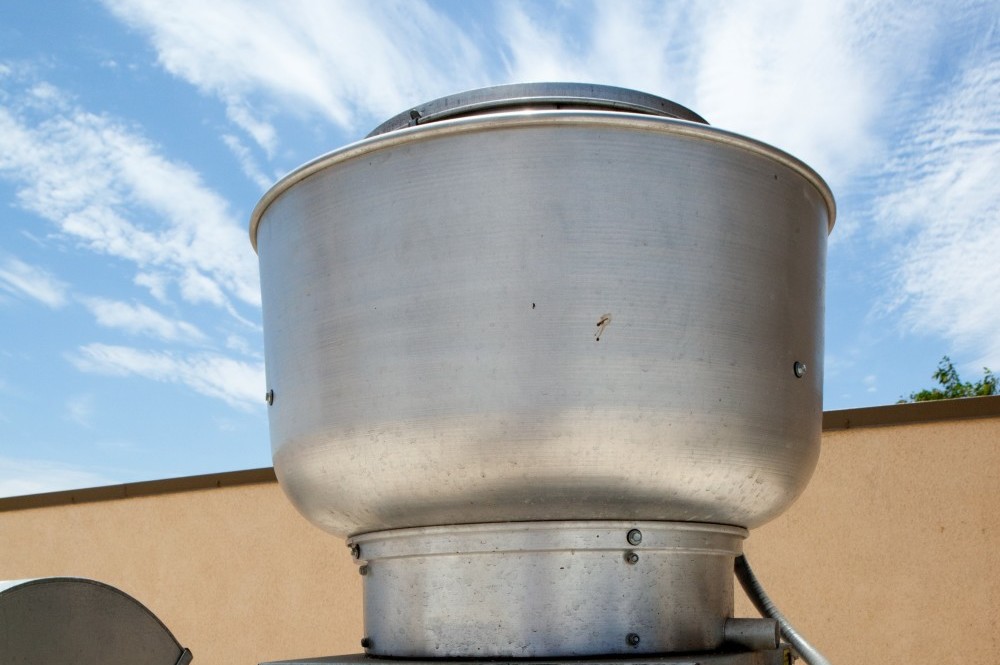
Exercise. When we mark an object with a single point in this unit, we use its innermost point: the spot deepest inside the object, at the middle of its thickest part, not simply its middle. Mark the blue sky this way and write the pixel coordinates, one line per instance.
(136, 136)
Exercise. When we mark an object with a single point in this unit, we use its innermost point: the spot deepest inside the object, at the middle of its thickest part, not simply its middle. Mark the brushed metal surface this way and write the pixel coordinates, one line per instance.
(550, 315)
(548, 589)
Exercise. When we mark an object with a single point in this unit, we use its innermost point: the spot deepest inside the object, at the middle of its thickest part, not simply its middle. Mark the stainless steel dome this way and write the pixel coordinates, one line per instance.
(544, 302)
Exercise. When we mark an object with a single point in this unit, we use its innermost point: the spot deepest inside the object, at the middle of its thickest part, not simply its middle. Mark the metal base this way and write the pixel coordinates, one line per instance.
(782, 656)
(548, 589)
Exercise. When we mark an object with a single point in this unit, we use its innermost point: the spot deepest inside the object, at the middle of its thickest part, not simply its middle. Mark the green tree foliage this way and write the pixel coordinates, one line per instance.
(953, 387)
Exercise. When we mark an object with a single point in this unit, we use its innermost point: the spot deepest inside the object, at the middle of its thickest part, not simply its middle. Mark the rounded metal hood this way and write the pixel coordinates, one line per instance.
(567, 311)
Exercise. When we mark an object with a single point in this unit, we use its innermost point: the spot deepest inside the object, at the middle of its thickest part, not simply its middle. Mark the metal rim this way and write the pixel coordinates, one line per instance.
(518, 96)
(534, 118)
(582, 535)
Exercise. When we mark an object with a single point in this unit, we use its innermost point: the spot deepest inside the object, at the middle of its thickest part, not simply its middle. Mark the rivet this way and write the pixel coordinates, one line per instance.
(632, 640)
(634, 537)
(631, 557)
(799, 369)
(356, 551)
(366, 643)
(269, 397)
(363, 570)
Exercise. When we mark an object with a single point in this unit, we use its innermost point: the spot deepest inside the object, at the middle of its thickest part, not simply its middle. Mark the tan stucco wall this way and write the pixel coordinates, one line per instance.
(234, 573)
(890, 556)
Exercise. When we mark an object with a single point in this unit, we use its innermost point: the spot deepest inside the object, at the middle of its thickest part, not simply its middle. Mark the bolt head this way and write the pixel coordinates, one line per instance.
(632, 640)
(634, 537)
(355, 551)
(269, 397)
(799, 369)
(631, 557)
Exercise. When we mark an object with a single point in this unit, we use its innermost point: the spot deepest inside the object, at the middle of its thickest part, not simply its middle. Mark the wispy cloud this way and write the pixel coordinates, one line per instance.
(157, 284)
(240, 384)
(32, 476)
(138, 319)
(940, 207)
(810, 78)
(644, 45)
(109, 189)
(81, 408)
(22, 279)
(240, 345)
(248, 164)
(341, 60)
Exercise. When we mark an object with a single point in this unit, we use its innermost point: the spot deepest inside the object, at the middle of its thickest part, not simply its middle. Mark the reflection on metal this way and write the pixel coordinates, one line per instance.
(57, 620)
(510, 487)
(418, 386)
(548, 589)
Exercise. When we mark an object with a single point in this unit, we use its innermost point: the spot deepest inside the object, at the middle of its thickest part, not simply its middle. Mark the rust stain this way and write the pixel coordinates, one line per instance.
(602, 323)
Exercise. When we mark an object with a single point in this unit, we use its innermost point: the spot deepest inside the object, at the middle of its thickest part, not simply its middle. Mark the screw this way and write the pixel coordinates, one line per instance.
(631, 557)
(363, 570)
(366, 643)
(356, 551)
(634, 537)
(632, 640)
(799, 369)
(269, 397)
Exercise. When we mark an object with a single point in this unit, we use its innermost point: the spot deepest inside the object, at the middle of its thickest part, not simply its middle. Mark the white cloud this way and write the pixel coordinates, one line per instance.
(155, 282)
(794, 74)
(32, 476)
(941, 206)
(242, 346)
(138, 319)
(813, 78)
(239, 384)
(638, 44)
(346, 61)
(80, 409)
(247, 163)
(108, 188)
(261, 131)
(22, 279)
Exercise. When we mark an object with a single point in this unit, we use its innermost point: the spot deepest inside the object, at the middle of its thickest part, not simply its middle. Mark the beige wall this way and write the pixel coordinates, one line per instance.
(891, 556)
(234, 573)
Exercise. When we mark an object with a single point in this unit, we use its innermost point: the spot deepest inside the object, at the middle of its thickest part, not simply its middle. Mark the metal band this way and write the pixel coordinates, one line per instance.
(547, 589)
